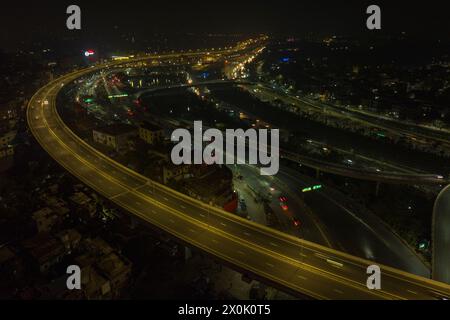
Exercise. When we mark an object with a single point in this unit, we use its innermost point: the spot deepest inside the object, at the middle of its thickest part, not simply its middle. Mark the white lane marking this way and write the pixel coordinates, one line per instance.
(138, 203)
(413, 292)
(192, 230)
(302, 277)
(338, 291)
(246, 233)
(215, 241)
(202, 215)
(320, 255)
(171, 220)
(332, 262)
(269, 264)
(303, 255)
(273, 244)
(166, 199)
(223, 224)
(240, 252)
(182, 207)
(335, 264)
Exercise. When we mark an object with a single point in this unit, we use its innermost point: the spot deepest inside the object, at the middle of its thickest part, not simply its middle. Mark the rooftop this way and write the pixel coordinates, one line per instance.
(112, 265)
(43, 247)
(150, 126)
(6, 254)
(116, 129)
(80, 198)
(42, 213)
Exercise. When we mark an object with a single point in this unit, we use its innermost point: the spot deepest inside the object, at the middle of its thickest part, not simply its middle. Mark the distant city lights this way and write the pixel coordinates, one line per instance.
(89, 52)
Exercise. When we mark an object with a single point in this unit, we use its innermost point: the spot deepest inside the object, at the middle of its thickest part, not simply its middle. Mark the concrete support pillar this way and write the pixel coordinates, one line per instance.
(377, 188)
(187, 253)
(441, 237)
(133, 223)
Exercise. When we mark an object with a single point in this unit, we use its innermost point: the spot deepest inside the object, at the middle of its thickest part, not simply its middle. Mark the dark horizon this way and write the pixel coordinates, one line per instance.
(22, 22)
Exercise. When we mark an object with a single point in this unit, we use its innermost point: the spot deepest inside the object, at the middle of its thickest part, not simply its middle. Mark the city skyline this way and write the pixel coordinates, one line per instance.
(285, 18)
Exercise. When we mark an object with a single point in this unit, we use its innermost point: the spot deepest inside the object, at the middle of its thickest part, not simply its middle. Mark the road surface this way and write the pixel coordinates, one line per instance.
(291, 263)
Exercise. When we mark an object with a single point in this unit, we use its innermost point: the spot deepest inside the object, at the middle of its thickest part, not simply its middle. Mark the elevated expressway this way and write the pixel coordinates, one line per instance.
(359, 173)
(295, 265)
(326, 166)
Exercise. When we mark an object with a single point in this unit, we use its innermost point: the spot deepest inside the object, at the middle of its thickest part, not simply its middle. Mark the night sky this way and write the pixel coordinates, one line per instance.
(21, 20)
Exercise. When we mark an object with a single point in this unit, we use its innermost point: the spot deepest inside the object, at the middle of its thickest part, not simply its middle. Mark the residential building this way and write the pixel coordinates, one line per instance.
(70, 239)
(11, 271)
(83, 205)
(6, 138)
(150, 133)
(6, 149)
(45, 219)
(115, 268)
(212, 184)
(116, 136)
(6, 152)
(93, 284)
(44, 251)
(174, 172)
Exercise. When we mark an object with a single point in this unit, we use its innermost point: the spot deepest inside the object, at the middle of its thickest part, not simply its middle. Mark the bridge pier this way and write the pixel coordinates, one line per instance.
(133, 223)
(440, 263)
(377, 188)
(187, 253)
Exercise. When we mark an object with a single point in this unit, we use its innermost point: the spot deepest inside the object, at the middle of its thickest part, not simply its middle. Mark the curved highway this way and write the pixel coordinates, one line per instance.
(325, 166)
(383, 176)
(290, 263)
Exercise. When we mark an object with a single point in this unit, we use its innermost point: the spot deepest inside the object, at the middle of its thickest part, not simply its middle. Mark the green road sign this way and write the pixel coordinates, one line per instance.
(118, 95)
(317, 186)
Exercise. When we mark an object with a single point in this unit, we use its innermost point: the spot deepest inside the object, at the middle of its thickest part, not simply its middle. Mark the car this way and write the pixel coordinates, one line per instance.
(283, 203)
(296, 222)
(439, 295)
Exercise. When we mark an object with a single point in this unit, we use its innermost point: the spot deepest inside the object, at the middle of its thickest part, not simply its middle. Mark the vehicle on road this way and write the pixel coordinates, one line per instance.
(283, 203)
(243, 205)
(296, 222)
